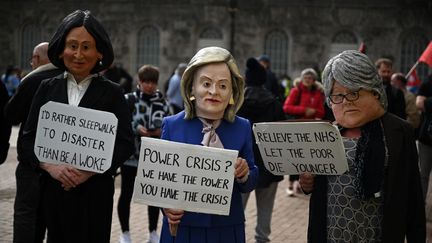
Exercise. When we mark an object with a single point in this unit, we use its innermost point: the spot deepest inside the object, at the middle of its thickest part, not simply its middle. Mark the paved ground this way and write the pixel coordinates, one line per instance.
(289, 216)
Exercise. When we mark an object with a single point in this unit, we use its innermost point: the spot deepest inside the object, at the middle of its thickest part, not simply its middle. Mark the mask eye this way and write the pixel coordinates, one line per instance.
(206, 84)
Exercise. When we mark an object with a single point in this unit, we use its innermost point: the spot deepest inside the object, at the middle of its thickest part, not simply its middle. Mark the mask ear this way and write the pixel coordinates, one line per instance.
(377, 96)
(192, 93)
(100, 56)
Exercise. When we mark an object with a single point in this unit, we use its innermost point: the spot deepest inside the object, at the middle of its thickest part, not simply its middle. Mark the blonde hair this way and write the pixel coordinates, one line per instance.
(206, 56)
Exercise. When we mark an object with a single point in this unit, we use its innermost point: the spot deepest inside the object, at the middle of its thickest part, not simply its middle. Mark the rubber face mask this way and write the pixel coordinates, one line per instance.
(212, 89)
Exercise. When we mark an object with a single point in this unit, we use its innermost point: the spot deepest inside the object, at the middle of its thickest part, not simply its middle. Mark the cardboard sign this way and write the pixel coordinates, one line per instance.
(183, 176)
(291, 148)
(81, 137)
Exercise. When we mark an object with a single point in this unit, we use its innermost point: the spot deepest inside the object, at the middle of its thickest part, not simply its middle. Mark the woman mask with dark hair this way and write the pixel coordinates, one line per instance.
(78, 204)
(212, 89)
(81, 30)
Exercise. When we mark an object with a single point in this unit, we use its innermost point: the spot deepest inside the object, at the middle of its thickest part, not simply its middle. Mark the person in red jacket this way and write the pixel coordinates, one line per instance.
(305, 101)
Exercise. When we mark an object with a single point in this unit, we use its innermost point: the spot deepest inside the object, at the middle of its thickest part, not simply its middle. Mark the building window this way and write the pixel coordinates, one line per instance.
(211, 37)
(276, 47)
(211, 33)
(148, 46)
(30, 37)
(342, 41)
(412, 47)
(345, 37)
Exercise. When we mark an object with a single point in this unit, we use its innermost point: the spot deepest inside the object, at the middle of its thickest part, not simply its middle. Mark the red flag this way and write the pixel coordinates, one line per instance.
(426, 57)
(362, 48)
(414, 82)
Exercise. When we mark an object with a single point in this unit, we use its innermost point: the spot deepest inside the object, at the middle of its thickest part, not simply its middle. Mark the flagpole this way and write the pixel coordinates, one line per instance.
(412, 69)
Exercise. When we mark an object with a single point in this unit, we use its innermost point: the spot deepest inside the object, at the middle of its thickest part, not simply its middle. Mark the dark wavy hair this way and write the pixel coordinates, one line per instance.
(76, 19)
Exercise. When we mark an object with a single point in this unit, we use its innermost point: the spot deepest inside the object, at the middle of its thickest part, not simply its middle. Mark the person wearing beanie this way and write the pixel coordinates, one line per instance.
(260, 105)
(255, 73)
(271, 82)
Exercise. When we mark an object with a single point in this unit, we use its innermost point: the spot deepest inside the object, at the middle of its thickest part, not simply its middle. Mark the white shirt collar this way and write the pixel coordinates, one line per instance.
(76, 91)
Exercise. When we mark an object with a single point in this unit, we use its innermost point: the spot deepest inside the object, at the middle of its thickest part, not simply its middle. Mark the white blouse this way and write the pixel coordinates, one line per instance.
(76, 91)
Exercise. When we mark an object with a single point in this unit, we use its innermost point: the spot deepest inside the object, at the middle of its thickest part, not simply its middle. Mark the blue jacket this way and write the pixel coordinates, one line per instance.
(236, 136)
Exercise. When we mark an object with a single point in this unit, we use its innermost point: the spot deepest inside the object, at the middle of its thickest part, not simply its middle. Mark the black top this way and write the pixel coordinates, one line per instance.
(261, 106)
(5, 126)
(396, 101)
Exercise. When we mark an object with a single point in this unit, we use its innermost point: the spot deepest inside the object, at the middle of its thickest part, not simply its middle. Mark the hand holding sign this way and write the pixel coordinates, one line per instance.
(306, 181)
(174, 217)
(241, 169)
(63, 173)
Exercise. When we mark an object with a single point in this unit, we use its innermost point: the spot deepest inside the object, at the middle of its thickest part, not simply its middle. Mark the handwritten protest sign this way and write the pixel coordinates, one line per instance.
(290, 148)
(183, 176)
(81, 137)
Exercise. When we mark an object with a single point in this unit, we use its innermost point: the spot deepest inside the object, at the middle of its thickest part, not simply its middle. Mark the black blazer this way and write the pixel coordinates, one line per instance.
(102, 95)
(5, 126)
(18, 107)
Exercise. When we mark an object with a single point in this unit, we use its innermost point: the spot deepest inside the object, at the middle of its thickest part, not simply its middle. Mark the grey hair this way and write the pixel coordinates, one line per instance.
(353, 70)
(310, 71)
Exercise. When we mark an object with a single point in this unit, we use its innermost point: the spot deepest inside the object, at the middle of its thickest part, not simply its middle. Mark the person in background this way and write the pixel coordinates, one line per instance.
(173, 93)
(287, 84)
(379, 198)
(212, 90)
(29, 225)
(305, 101)
(166, 83)
(5, 126)
(11, 79)
(271, 83)
(118, 74)
(148, 108)
(395, 97)
(424, 104)
(399, 81)
(78, 204)
(260, 105)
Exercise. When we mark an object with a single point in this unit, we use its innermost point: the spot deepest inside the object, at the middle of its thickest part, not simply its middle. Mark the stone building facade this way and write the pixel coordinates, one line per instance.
(295, 34)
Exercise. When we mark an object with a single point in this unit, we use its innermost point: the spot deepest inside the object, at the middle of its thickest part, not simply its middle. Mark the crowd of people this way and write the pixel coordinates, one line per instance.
(386, 130)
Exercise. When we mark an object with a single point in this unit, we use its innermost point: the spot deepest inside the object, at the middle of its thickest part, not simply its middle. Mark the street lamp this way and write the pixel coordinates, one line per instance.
(232, 9)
